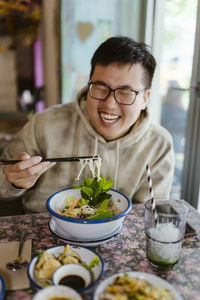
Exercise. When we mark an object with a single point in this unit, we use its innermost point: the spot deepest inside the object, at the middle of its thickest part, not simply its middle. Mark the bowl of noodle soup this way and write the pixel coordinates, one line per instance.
(91, 210)
(83, 228)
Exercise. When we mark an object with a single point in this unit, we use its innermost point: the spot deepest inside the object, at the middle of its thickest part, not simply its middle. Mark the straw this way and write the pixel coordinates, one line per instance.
(153, 203)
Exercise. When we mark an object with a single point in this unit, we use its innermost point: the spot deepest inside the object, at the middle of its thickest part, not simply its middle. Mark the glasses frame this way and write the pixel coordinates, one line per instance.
(90, 83)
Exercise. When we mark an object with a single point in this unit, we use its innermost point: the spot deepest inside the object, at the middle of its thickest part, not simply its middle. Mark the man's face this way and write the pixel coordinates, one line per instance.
(110, 119)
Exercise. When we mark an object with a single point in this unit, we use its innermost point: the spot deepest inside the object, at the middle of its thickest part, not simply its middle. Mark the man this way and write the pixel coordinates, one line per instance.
(109, 118)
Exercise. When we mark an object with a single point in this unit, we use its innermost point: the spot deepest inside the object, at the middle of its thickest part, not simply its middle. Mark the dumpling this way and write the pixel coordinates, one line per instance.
(69, 256)
(46, 266)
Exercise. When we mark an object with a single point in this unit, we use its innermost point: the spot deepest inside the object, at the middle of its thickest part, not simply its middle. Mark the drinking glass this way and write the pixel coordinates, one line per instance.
(165, 232)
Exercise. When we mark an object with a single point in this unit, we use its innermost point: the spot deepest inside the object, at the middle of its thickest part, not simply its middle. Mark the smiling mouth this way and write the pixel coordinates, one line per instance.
(109, 118)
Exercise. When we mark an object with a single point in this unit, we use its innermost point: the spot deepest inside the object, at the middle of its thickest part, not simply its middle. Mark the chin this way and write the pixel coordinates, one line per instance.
(109, 137)
(109, 133)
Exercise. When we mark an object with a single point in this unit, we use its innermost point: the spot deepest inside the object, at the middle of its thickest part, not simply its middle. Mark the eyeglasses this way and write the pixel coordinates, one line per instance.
(122, 96)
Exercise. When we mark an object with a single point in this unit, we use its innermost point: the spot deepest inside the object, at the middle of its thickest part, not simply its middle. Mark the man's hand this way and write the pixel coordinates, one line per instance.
(25, 173)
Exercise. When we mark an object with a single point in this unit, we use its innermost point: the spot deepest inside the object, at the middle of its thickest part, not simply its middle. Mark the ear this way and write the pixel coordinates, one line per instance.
(146, 96)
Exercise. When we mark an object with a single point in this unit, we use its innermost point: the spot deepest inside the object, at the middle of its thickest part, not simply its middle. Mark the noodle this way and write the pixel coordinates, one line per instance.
(94, 166)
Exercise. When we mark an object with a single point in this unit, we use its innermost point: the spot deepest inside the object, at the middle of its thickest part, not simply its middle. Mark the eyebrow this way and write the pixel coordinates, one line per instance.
(120, 87)
(100, 82)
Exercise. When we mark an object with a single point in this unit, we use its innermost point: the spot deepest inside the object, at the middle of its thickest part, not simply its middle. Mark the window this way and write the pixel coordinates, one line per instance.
(84, 25)
(178, 86)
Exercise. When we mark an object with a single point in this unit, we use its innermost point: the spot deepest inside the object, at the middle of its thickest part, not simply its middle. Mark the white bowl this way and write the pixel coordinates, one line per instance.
(71, 270)
(87, 229)
(152, 279)
(86, 255)
(56, 291)
(57, 231)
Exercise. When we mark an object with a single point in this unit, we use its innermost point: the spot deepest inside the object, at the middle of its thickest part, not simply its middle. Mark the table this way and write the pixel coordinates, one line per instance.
(124, 253)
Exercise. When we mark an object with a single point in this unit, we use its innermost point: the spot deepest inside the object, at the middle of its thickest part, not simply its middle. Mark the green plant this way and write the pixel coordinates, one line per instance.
(95, 190)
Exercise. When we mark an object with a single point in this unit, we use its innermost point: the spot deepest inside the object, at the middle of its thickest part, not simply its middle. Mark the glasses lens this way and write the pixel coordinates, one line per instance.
(125, 96)
(98, 91)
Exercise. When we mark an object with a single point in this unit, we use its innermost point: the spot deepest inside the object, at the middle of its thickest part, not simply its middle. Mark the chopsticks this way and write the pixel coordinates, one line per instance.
(60, 159)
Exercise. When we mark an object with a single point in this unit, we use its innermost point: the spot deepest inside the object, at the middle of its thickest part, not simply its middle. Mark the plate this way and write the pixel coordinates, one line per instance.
(2, 288)
(153, 279)
(86, 256)
(56, 230)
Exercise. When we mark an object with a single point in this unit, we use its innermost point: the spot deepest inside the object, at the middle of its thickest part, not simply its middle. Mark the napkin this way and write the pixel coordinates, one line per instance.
(18, 279)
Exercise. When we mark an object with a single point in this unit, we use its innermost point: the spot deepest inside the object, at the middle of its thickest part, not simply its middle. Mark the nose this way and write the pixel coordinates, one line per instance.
(111, 99)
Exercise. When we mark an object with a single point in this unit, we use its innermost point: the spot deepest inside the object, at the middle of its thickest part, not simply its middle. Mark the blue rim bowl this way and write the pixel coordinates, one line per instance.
(2, 288)
(85, 221)
(30, 270)
(87, 229)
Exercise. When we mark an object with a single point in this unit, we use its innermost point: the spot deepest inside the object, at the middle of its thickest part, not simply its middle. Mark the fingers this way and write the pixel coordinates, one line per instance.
(28, 163)
(44, 167)
(36, 169)
(25, 173)
(22, 156)
(32, 174)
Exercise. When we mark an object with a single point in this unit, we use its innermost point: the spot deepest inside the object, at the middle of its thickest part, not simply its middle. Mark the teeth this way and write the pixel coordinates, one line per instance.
(109, 117)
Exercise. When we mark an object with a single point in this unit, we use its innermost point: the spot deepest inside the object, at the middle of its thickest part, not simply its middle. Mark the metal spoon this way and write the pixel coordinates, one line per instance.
(18, 263)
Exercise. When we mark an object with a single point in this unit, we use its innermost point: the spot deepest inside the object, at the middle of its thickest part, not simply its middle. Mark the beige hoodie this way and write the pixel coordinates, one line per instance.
(65, 130)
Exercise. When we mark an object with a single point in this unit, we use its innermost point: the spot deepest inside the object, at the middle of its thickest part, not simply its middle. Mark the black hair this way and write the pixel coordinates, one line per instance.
(124, 50)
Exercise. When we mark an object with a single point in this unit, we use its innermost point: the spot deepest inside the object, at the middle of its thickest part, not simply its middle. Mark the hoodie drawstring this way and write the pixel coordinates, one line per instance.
(96, 146)
(117, 159)
(117, 164)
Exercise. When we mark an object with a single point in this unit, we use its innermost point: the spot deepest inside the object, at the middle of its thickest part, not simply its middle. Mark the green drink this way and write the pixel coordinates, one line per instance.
(162, 255)
(165, 232)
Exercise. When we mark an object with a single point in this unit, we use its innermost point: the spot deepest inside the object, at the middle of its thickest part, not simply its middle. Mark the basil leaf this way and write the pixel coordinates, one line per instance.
(94, 183)
(104, 215)
(76, 187)
(107, 185)
(95, 189)
(88, 181)
(86, 192)
(102, 197)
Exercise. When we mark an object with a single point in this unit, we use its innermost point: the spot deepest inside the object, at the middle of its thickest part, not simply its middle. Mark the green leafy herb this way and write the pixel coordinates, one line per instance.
(95, 190)
(95, 261)
(102, 212)
(104, 215)
(40, 255)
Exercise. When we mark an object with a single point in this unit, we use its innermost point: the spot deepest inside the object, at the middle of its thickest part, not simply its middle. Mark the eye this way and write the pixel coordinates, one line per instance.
(100, 87)
(125, 92)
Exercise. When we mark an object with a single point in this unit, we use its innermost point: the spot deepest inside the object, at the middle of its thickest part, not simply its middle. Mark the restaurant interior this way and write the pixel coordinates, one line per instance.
(42, 45)
(45, 51)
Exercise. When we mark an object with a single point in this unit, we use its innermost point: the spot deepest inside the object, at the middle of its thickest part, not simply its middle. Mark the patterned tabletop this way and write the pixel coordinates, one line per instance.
(123, 253)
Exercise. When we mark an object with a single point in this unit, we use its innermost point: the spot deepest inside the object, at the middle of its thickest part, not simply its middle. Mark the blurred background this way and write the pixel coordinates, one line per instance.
(45, 52)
